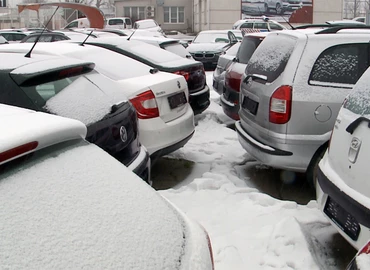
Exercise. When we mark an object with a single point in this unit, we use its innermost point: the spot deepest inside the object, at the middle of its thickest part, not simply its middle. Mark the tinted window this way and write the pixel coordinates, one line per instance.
(260, 25)
(247, 25)
(271, 56)
(58, 38)
(115, 22)
(247, 48)
(274, 26)
(18, 37)
(128, 21)
(340, 64)
(72, 25)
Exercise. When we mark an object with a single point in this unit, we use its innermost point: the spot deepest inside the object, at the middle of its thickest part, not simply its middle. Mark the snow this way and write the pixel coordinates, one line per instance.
(248, 228)
(81, 209)
(363, 261)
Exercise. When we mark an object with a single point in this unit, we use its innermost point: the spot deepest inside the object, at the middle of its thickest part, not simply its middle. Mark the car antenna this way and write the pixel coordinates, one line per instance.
(83, 42)
(132, 34)
(38, 37)
(291, 26)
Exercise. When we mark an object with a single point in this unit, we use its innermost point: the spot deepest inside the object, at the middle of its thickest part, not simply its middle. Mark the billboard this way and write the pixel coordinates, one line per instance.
(293, 11)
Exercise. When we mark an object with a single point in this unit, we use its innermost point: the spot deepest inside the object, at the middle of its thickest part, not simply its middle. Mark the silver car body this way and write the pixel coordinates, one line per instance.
(286, 59)
(222, 64)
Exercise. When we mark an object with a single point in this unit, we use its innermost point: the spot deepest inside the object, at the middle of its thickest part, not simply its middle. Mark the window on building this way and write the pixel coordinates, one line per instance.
(135, 13)
(174, 14)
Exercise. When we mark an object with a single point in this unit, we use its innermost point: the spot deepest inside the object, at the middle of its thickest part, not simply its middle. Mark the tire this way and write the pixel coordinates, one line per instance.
(311, 172)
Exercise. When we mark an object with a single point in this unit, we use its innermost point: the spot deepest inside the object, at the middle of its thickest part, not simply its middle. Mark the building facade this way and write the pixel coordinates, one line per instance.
(327, 10)
(170, 14)
(215, 14)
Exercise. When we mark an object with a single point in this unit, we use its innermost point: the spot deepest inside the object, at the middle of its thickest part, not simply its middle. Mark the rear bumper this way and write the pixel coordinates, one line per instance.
(199, 101)
(326, 188)
(218, 82)
(293, 154)
(155, 134)
(141, 165)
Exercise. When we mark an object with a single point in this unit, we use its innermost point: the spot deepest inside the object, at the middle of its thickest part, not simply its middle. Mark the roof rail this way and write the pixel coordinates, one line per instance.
(305, 26)
(335, 28)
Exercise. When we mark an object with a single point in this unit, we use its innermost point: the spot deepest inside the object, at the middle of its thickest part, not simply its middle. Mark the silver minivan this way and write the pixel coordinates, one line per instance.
(291, 93)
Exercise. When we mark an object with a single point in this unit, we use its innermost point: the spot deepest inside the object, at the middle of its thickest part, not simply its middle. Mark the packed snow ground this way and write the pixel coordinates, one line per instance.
(248, 229)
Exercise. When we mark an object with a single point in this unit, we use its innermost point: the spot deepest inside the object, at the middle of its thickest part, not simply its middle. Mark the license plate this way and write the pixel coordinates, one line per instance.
(177, 100)
(250, 105)
(345, 221)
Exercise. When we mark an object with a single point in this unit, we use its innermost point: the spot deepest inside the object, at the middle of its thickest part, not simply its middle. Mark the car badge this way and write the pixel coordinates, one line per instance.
(123, 134)
(178, 84)
(354, 149)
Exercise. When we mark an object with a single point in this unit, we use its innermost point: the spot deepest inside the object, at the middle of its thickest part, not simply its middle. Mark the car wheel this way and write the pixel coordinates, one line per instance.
(267, 10)
(311, 173)
(279, 9)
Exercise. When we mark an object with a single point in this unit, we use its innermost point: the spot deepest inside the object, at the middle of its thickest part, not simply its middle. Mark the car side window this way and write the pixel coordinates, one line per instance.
(247, 25)
(58, 38)
(340, 64)
(18, 37)
(274, 26)
(72, 25)
(260, 25)
(45, 38)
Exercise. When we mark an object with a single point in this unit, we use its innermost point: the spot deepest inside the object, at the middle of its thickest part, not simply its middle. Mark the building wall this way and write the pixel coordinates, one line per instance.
(159, 11)
(327, 10)
(215, 14)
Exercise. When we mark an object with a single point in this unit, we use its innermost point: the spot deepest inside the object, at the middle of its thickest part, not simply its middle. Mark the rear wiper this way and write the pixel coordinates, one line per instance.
(352, 127)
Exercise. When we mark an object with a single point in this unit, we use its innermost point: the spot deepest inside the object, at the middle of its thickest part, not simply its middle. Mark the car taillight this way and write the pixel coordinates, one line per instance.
(18, 151)
(183, 73)
(145, 105)
(365, 249)
(233, 80)
(281, 105)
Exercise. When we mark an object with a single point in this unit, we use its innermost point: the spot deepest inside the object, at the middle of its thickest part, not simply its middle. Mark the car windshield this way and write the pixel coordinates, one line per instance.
(207, 37)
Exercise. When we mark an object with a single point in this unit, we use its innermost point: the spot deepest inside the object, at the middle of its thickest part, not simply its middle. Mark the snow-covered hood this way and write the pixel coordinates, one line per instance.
(206, 47)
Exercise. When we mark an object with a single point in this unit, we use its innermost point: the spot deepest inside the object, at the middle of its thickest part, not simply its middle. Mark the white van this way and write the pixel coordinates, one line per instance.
(115, 23)
(78, 23)
(119, 23)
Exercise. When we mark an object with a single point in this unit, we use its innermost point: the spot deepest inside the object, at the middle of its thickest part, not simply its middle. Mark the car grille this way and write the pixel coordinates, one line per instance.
(204, 55)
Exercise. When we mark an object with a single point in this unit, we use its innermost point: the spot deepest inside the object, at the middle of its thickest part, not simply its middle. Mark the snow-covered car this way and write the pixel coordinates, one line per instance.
(3, 40)
(223, 62)
(161, 99)
(148, 25)
(193, 71)
(73, 88)
(67, 204)
(343, 189)
(208, 45)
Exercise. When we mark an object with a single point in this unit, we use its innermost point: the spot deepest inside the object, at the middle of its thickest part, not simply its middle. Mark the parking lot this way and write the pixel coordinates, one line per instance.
(257, 217)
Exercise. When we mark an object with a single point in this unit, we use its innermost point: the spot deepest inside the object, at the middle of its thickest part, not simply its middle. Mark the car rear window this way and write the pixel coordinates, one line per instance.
(358, 101)
(271, 56)
(176, 48)
(247, 48)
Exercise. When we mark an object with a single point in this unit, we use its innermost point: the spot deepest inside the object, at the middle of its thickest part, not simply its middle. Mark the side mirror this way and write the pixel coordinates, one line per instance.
(235, 59)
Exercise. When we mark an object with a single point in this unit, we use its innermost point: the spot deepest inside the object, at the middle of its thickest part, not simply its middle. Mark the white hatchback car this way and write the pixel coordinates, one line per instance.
(166, 120)
(343, 187)
(67, 204)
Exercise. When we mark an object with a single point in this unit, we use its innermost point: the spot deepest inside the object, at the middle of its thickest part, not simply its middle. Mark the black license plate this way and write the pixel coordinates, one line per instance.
(345, 221)
(177, 100)
(250, 105)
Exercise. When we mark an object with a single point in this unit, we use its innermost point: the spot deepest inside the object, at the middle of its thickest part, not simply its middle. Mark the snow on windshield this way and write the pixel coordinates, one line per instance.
(82, 209)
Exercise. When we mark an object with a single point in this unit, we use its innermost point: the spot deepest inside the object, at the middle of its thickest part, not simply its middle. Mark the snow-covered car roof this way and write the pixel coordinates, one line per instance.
(21, 126)
(90, 52)
(73, 206)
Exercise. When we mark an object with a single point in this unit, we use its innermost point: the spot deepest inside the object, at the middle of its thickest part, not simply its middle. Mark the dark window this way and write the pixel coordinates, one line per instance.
(115, 22)
(247, 25)
(260, 25)
(342, 64)
(247, 48)
(271, 56)
(72, 25)
(59, 38)
(274, 26)
(18, 37)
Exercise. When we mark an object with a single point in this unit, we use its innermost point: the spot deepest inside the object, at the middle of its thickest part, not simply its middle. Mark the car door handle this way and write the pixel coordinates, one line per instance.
(352, 127)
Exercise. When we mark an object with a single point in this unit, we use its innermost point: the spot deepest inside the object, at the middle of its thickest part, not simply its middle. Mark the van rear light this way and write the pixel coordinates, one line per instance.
(281, 105)
(145, 105)
(183, 73)
(18, 151)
